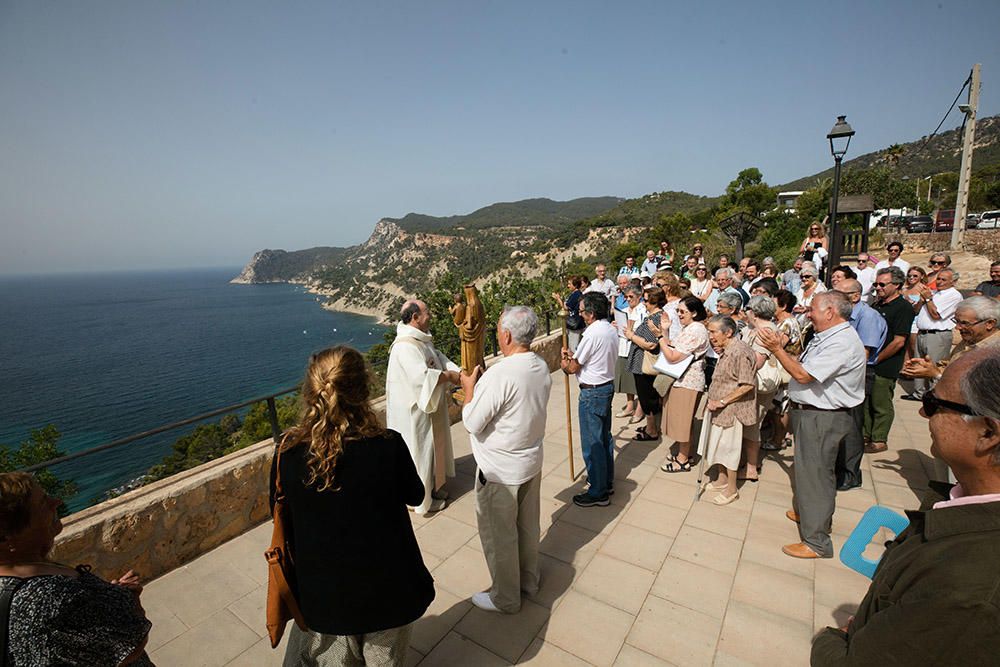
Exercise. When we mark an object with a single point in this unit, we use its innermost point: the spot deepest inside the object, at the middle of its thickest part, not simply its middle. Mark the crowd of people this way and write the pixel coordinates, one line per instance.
(727, 363)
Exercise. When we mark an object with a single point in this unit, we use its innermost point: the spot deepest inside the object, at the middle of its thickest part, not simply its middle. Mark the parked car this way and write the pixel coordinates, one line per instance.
(971, 220)
(989, 220)
(945, 220)
(919, 224)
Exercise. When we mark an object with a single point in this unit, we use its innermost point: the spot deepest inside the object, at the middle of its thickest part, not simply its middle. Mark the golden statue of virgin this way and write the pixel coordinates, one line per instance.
(470, 318)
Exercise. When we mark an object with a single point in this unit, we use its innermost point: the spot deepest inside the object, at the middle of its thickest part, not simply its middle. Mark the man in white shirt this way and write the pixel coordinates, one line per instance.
(828, 380)
(866, 275)
(934, 325)
(602, 284)
(894, 250)
(504, 413)
(650, 265)
(593, 363)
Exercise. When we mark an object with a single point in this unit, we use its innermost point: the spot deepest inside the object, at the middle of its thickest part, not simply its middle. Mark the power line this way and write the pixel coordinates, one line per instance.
(948, 112)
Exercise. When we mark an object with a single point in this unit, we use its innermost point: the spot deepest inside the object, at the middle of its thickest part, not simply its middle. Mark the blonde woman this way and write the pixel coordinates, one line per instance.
(347, 481)
(815, 247)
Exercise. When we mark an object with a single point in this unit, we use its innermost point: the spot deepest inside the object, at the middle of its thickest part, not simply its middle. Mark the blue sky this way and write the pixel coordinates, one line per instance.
(170, 134)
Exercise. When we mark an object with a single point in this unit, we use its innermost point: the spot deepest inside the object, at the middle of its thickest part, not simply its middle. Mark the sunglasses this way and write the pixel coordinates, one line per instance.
(932, 404)
(883, 285)
(935, 263)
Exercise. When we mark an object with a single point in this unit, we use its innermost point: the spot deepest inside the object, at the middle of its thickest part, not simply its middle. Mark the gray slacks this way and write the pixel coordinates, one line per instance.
(818, 437)
(385, 648)
(508, 518)
(937, 346)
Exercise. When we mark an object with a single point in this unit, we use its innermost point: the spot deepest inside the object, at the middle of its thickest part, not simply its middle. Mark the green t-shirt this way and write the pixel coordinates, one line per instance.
(898, 315)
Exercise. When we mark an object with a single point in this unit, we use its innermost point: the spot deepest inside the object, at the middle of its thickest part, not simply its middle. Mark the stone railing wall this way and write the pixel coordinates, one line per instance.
(163, 525)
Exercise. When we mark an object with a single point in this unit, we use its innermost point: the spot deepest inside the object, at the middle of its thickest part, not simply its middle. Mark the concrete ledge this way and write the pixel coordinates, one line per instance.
(163, 525)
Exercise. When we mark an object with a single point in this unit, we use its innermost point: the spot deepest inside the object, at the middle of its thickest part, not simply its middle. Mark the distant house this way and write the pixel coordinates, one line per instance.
(787, 200)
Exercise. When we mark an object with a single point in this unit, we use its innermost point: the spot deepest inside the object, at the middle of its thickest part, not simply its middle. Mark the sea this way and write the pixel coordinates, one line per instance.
(106, 356)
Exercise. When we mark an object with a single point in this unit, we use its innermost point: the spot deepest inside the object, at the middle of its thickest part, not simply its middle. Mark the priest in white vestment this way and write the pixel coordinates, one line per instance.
(416, 390)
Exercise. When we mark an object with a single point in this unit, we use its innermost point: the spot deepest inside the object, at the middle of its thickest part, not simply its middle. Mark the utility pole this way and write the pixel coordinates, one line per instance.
(965, 173)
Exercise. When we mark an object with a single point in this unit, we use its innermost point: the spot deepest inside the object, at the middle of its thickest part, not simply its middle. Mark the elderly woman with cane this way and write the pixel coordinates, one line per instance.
(732, 405)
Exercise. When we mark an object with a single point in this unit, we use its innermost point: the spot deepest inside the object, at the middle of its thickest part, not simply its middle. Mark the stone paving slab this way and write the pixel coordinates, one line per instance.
(654, 579)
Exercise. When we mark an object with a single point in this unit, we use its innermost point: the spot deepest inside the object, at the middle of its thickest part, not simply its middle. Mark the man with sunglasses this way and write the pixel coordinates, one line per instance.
(935, 324)
(976, 319)
(866, 275)
(935, 597)
(894, 250)
(879, 411)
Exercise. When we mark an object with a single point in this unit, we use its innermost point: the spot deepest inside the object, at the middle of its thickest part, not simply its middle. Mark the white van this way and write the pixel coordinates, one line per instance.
(989, 220)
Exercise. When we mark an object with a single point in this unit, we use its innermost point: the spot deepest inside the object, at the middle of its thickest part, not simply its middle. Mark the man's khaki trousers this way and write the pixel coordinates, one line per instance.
(508, 518)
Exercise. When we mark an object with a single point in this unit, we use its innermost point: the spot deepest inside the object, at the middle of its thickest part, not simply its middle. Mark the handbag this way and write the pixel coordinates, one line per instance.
(768, 377)
(649, 359)
(281, 602)
(674, 369)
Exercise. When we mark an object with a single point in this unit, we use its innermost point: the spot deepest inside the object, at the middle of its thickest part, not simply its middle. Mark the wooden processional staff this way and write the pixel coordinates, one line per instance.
(563, 314)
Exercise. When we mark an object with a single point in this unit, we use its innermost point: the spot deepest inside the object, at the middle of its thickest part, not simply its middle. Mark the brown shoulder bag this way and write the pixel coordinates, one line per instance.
(281, 602)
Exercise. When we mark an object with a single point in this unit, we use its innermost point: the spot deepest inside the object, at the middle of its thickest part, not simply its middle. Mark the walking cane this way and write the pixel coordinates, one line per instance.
(563, 314)
(706, 423)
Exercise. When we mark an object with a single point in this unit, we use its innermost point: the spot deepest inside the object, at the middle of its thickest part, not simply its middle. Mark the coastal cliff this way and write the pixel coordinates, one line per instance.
(281, 266)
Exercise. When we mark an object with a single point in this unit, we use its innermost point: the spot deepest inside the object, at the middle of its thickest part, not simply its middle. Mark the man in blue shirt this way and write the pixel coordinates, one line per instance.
(872, 330)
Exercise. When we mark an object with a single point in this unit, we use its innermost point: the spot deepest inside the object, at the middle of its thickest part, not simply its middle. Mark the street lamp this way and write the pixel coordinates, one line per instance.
(840, 139)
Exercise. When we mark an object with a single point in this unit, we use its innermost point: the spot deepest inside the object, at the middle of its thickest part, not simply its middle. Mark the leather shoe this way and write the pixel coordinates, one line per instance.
(848, 486)
(911, 397)
(792, 515)
(799, 550)
(876, 448)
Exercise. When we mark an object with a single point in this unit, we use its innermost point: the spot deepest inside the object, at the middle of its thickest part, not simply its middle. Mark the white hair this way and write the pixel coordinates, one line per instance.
(981, 390)
(984, 307)
(724, 272)
(521, 322)
(762, 306)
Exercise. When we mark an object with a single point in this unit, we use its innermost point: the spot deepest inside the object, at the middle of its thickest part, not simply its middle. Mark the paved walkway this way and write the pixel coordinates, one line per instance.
(653, 579)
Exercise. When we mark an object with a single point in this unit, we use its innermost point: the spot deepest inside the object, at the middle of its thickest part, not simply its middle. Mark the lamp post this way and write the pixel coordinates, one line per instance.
(840, 139)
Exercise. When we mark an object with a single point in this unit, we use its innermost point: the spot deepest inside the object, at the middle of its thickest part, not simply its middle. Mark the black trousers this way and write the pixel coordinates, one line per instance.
(649, 398)
(852, 448)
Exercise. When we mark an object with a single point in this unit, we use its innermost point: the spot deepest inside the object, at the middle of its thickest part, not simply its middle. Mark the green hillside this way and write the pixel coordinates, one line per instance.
(524, 213)
(943, 153)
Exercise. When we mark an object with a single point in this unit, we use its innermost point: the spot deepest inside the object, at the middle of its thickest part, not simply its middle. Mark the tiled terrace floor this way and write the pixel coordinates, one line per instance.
(654, 579)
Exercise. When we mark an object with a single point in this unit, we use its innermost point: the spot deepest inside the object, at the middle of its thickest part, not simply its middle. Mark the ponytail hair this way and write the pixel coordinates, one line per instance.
(335, 409)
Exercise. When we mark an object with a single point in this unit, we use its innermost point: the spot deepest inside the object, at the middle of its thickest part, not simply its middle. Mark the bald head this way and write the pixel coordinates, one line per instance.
(415, 313)
(850, 288)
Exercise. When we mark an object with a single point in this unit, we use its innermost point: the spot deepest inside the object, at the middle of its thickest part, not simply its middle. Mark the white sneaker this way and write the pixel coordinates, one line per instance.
(484, 602)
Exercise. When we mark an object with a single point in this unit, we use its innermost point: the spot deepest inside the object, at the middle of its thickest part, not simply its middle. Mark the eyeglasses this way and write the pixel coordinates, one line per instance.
(960, 323)
(932, 404)
(883, 285)
(934, 262)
